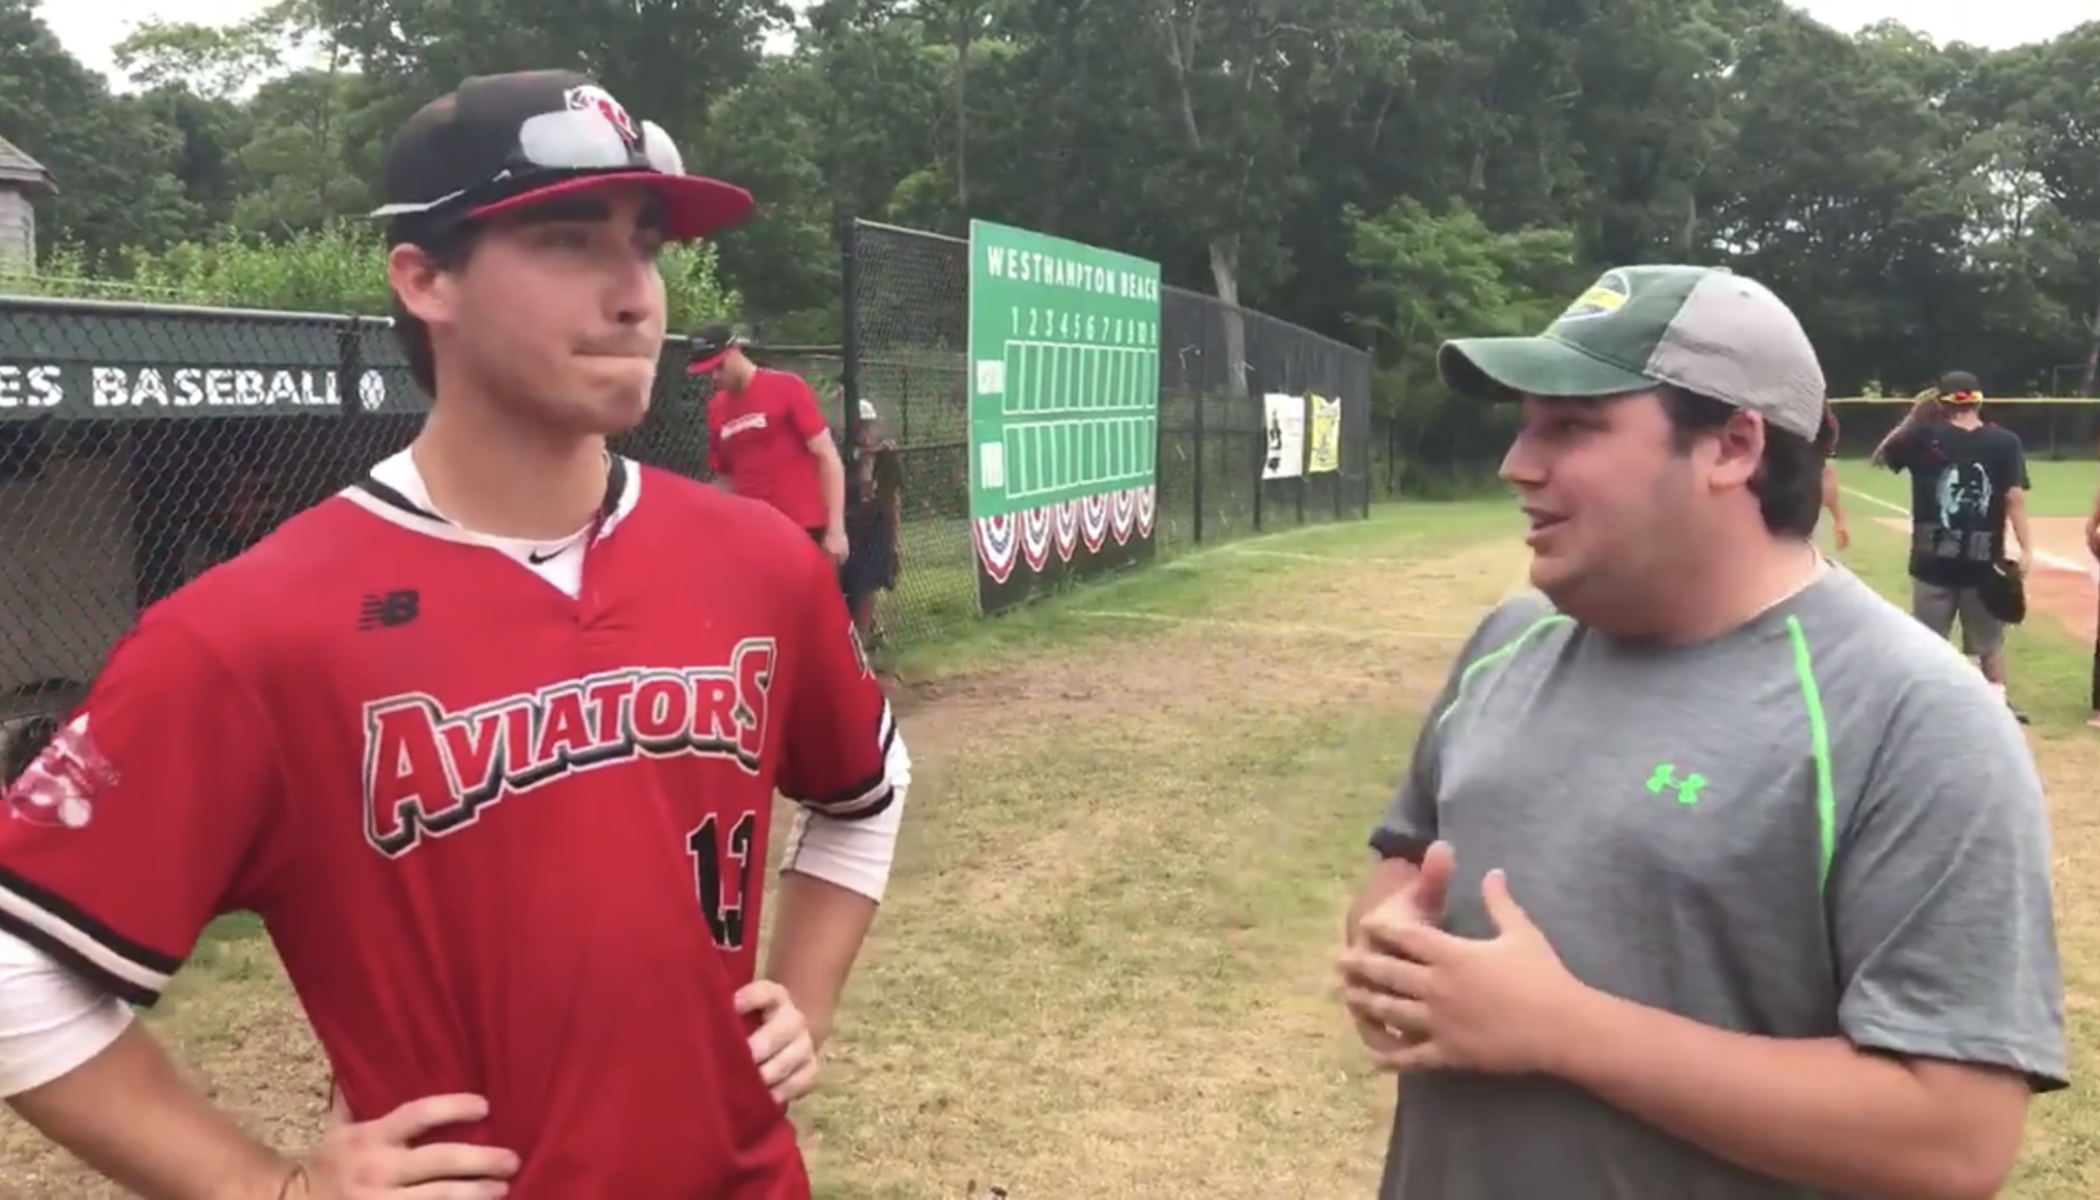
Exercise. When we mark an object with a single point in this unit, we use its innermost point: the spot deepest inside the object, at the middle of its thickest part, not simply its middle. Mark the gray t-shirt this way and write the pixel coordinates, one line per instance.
(1820, 824)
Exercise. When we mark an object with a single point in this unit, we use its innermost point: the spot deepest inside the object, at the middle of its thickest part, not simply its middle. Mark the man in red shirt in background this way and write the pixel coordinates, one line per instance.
(489, 740)
(767, 439)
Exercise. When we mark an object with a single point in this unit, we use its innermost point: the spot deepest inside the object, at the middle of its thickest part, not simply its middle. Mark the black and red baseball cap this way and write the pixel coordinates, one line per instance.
(1960, 388)
(499, 142)
(711, 345)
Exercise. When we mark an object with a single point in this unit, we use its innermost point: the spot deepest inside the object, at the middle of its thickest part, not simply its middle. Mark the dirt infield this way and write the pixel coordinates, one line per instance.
(2061, 583)
(1103, 967)
(2057, 588)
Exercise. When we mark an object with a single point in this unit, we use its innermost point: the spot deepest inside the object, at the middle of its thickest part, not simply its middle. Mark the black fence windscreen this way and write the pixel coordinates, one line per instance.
(1218, 361)
(142, 444)
(907, 342)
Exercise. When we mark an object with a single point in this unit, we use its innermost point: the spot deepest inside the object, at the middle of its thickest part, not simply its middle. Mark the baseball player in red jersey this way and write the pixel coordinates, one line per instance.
(489, 740)
(767, 439)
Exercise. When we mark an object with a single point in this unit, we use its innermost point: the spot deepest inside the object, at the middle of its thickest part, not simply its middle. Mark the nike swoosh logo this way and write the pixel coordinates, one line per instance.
(538, 559)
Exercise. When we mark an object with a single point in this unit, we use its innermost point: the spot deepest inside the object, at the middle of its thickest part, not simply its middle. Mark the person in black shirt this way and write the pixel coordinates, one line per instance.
(874, 494)
(1968, 482)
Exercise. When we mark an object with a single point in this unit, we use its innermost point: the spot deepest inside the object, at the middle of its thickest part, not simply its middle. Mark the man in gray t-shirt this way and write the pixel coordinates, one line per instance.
(1713, 875)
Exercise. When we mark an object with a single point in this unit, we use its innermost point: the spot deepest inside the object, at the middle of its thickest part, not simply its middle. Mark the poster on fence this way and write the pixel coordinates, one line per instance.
(1325, 453)
(1284, 419)
(1064, 411)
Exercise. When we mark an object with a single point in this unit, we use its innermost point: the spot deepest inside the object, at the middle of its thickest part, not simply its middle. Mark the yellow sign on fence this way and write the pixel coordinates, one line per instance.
(1326, 436)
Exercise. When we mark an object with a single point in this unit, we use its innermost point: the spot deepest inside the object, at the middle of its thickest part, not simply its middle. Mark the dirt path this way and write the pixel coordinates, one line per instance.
(2062, 589)
(1104, 971)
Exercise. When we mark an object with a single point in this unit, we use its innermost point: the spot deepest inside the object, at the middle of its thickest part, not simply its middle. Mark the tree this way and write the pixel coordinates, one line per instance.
(1386, 170)
(114, 159)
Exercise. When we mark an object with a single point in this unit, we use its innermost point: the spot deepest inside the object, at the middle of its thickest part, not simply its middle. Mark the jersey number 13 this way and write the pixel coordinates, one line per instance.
(721, 850)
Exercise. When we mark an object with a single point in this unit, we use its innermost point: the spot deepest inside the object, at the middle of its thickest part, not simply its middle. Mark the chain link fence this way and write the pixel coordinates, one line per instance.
(142, 444)
(906, 332)
(1218, 361)
(906, 345)
(1442, 445)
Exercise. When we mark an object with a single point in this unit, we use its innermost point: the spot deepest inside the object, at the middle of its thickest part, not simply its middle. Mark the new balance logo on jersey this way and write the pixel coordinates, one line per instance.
(429, 771)
(390, 610)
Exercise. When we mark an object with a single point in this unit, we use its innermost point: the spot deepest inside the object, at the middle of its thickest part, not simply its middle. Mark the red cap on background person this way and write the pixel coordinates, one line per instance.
(712, 346)
(1960, 387)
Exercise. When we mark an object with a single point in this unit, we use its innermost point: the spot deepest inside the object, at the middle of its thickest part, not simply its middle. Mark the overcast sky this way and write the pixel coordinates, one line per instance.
(1992, 23)
(90, 27)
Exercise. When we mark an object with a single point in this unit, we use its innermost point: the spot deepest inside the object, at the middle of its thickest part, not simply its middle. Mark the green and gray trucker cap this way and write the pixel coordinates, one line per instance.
(1703, 329)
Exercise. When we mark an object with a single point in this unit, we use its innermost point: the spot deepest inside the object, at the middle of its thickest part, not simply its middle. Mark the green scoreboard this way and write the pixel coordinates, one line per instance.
(1064, 371)
(1064, 410)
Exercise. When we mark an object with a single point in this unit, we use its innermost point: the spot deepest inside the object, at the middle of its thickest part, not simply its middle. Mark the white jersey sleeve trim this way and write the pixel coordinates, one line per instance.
(870, 797)
(854, 854)
(65, 932)
(51, 1020)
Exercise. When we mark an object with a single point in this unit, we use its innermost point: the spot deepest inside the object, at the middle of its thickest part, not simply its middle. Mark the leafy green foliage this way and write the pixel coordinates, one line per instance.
(1431, 276)
(338, 268)
(1389, 171)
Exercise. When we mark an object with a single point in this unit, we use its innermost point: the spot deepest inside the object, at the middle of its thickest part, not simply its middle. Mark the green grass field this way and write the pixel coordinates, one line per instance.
(1139, 809)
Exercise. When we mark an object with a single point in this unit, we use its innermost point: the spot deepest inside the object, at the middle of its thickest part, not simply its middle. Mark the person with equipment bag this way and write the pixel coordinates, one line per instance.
(1968, 483)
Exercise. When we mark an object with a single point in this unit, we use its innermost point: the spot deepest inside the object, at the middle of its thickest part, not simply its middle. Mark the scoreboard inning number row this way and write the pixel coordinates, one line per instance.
(1045, 323)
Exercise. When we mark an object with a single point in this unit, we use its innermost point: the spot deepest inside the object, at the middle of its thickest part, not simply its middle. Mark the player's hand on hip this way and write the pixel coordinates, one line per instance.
(783, 1047)
(1380, 1015)
(835, 544)
(380, 1160)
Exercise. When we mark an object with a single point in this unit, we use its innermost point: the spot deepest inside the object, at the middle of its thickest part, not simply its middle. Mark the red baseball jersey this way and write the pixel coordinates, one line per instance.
(758, 439)
(508, 840)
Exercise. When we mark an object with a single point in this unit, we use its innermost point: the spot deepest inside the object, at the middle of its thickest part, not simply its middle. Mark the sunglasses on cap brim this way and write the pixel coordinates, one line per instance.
(590, 150)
